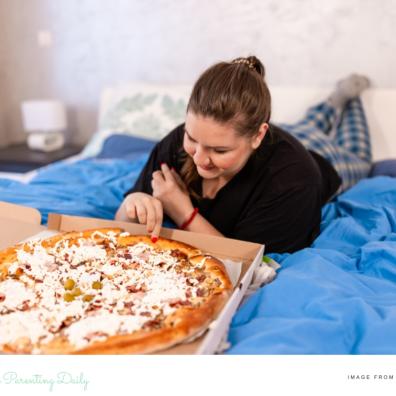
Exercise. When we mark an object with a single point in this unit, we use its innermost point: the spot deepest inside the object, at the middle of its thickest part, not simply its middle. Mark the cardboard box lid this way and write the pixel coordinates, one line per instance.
(17, 223)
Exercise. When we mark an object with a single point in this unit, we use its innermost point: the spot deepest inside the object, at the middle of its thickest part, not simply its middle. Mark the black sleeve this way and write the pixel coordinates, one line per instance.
(284, 222)
(167, 150)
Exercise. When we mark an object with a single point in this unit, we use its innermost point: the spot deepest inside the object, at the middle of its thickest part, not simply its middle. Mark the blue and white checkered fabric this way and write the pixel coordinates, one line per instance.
(342, 139)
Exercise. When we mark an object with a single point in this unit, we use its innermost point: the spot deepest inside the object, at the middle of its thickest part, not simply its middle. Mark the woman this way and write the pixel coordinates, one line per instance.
(228, 172)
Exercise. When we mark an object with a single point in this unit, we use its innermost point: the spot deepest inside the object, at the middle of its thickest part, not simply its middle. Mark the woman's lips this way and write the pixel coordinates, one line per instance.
(207, 168)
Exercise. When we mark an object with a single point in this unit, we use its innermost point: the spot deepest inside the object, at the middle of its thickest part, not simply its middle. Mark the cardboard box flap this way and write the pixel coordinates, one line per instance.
(13, 232)
(209, 243)
(17, 223)
(19, 213)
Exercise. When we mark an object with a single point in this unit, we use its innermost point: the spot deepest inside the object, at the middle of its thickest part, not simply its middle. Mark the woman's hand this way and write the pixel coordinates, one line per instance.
(144, 209)
(169, 188)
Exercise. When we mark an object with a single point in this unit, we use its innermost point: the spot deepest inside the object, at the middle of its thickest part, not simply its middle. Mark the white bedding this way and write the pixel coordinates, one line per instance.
(289, 104)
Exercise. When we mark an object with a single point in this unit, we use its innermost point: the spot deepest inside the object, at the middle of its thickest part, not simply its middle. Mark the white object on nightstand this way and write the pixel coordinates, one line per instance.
(44, 121)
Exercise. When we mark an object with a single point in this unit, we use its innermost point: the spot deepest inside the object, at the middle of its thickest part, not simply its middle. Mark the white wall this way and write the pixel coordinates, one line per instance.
(102, 42)
(3, 93)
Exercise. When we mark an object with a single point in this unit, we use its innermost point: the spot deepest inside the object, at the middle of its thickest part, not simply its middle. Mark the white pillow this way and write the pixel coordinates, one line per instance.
(151, 111)
(144, 110)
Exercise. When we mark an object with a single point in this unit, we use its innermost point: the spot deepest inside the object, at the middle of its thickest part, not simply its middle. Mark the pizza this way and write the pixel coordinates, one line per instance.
(105, 291)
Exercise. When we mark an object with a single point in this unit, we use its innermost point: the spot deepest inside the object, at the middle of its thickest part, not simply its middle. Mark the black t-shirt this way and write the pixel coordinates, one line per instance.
(275, 199)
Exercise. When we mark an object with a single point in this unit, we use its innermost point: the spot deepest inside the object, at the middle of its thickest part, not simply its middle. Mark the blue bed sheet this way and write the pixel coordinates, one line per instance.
(338, 296)
(91, 187)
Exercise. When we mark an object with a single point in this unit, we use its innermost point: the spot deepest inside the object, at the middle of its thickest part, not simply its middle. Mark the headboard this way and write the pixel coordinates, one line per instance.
(156, 109)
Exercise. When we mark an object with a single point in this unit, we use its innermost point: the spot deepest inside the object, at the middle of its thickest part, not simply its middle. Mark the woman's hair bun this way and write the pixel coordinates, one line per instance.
(253, 63)
(257, 65)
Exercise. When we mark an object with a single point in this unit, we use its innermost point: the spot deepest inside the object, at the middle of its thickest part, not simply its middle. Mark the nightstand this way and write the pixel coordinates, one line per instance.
(20, 158)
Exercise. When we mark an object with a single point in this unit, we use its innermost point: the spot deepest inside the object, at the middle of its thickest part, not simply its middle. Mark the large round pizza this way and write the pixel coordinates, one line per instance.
(106, 291)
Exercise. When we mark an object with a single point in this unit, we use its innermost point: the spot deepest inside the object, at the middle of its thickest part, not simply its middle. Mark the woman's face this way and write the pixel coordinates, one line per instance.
(217, 149)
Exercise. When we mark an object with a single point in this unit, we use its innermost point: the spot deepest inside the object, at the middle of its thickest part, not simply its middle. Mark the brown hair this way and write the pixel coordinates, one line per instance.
(232, 93)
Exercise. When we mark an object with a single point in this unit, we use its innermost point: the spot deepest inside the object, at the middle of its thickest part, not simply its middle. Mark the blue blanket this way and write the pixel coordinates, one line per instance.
(91, 188)
(338, 296)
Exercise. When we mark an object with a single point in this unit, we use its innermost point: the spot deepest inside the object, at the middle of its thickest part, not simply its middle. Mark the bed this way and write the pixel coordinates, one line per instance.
(336, 297)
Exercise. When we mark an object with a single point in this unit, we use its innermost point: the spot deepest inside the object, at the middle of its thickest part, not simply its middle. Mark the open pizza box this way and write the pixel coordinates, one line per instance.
(19, 223)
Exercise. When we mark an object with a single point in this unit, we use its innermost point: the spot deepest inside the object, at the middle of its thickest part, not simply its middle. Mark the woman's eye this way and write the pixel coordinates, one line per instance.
(220, 151)
(189, 137)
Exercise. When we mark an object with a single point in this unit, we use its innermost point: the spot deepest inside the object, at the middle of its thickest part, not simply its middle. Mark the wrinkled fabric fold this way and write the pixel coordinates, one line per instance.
(91, 187)
(339, 295)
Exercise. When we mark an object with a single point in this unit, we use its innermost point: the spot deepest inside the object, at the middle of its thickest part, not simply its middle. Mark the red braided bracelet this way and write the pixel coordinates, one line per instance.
(189, 220)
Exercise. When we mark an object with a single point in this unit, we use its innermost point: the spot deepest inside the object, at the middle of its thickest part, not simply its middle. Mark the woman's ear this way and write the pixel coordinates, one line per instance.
(258, 138)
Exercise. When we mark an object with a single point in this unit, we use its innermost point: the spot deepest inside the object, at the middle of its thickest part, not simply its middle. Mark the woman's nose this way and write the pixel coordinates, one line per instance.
(200, 157)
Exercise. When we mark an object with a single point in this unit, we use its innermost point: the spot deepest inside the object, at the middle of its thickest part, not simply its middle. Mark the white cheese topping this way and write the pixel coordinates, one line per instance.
(16, 294)
(104, 324)
(19, 325)
(39, 260)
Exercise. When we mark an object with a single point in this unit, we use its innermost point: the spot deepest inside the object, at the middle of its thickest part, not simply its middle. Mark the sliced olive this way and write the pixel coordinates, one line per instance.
(97, 285)
(68, 297)
(69, 284)
(88, 297)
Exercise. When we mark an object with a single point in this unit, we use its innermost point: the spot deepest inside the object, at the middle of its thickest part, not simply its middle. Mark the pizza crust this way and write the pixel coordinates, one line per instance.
(182, 324)
(189, 323)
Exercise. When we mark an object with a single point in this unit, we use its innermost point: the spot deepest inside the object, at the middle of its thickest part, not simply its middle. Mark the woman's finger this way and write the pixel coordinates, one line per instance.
(141, 212)
(156, 186)
(159, 211)
(131, 210)
(151, 215)
(166, 172)
(158, 175)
